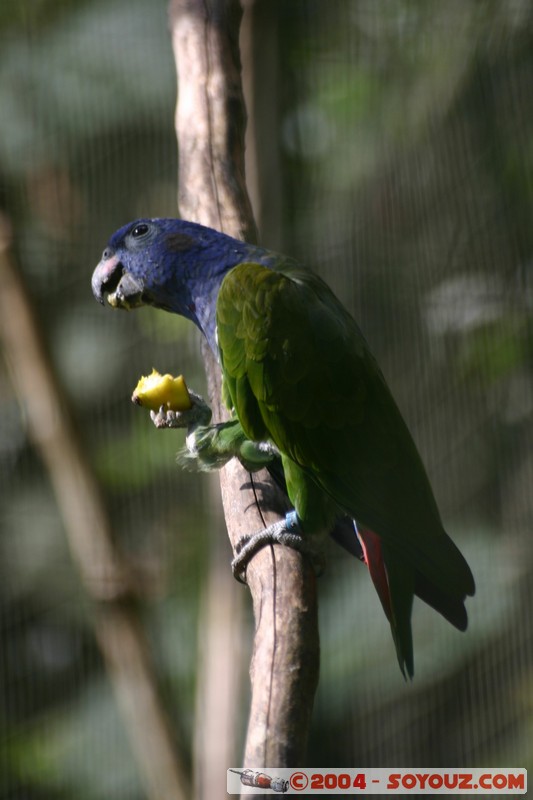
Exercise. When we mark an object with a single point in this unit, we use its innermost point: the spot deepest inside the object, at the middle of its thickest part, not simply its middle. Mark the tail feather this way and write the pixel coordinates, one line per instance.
(394, 583)
(401, 580)
(451, 608)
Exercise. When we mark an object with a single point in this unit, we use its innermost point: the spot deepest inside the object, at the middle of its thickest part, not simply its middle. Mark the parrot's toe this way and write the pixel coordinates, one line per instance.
(287, 532)
(198, 414)
(164, 418)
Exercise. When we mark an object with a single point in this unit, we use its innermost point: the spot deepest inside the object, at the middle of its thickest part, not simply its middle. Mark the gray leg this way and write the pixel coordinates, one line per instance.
(287, 532)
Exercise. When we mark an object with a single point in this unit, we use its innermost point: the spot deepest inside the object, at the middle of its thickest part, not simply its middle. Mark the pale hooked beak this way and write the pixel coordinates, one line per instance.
(111, 279)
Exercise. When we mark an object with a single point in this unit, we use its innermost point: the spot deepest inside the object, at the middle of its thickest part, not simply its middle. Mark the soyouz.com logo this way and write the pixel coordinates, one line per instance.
(378, 781)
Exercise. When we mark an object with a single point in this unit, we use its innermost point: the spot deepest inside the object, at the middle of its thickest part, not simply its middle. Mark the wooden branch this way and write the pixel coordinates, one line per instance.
(222, 661)
(210, 128)
(107, 579)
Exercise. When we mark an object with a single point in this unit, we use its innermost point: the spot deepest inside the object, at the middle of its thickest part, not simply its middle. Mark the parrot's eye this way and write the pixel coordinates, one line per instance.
(140, 230)
(140, 234)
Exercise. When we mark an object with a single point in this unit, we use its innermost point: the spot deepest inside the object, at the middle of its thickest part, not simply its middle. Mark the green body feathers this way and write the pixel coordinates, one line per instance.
(297, 370)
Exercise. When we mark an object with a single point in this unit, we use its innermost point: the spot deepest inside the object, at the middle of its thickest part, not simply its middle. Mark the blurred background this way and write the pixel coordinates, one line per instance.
(391, 150)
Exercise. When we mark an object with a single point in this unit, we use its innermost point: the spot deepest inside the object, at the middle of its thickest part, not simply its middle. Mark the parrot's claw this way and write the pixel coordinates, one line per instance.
(287, 532)
(198, 414)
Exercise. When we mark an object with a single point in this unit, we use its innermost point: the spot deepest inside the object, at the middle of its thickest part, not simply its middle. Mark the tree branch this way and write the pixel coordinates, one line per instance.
(210, 129)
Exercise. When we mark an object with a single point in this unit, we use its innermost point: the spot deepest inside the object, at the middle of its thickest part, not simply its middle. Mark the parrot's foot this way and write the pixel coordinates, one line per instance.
(198, 414)
(287, 532)
(209, 447)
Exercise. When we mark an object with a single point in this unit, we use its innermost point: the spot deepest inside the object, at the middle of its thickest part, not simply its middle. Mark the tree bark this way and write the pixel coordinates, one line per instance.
(210, 123)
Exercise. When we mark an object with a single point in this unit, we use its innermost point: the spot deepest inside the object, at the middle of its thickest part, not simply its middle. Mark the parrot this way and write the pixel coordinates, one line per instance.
(303, 385)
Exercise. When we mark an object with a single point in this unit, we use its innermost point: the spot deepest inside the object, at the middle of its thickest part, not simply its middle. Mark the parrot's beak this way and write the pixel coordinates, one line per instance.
(122, 289)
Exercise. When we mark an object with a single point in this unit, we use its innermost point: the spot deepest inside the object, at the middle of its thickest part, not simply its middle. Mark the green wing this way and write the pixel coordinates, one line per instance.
(299, 372)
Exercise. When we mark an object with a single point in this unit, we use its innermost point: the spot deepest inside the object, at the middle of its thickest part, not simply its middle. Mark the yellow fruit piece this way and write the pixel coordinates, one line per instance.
(156, 390)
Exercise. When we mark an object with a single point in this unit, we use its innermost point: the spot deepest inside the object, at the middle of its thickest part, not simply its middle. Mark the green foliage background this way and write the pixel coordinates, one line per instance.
(403, 160)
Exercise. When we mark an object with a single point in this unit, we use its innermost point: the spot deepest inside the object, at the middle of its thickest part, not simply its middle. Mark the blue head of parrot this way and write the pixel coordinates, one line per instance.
(170, 264)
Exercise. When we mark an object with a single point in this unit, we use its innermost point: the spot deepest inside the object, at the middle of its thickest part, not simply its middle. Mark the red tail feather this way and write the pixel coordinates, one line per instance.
(373, 557)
